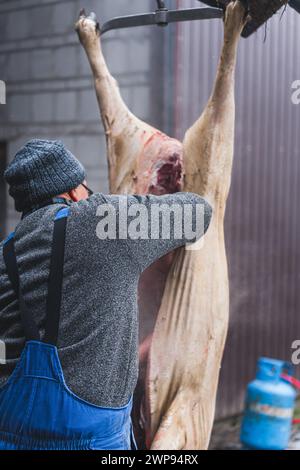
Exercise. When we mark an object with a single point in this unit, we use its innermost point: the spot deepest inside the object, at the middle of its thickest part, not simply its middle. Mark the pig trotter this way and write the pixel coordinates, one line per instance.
(87, 26)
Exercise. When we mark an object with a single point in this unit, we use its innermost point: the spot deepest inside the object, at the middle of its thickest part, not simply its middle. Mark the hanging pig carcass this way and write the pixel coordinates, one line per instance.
(184, 297)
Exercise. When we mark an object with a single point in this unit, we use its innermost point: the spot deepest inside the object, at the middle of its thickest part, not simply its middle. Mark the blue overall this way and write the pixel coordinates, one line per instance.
(37, 409)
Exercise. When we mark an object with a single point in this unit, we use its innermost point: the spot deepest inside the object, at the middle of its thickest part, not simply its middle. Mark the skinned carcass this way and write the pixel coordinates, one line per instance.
(183, 302)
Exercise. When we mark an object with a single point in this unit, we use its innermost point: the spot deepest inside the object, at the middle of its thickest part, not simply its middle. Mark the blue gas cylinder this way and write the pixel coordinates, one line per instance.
(270, 404)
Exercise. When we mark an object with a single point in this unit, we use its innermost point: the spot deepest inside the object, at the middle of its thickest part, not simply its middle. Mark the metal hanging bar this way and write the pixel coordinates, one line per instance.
(162, 17)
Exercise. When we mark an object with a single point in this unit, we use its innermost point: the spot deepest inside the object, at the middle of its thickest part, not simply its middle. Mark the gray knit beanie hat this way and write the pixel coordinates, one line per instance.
(42, 169)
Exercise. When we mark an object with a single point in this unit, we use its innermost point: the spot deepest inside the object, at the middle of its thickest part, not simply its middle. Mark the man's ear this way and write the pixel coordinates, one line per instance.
(78, 194)
(75, 197)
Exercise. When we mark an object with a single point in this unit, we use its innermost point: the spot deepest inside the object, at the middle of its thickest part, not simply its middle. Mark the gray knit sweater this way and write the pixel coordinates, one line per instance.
(98, 336)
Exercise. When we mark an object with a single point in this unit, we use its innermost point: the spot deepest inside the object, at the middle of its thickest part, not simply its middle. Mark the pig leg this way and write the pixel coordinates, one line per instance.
(121, 135)
(138, 154)
(208, 144)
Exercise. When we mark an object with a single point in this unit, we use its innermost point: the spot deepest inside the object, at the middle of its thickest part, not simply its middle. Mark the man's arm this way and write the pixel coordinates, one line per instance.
(157, 225)
(144, 227)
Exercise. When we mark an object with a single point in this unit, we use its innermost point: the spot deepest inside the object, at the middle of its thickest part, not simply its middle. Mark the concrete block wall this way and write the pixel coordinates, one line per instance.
(50, 90)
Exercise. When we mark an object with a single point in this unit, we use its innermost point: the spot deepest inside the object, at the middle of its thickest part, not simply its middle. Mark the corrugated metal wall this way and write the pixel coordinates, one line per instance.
(262, 221)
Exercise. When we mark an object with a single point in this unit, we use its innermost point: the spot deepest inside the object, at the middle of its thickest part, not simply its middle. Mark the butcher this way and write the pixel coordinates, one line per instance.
(68, 301)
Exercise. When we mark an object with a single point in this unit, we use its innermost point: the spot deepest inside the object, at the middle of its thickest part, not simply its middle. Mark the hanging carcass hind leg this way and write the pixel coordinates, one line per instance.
(141, 159)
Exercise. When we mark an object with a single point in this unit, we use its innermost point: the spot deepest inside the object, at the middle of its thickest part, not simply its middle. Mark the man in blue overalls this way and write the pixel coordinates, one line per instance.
(68, 306)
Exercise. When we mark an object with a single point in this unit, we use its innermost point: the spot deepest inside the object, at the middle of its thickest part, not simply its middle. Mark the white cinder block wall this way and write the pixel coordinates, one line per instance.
(49, 83)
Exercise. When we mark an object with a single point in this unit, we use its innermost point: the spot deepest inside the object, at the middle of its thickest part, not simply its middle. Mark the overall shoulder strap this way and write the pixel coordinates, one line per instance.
(30, 329)
(56, 277)
(54, 286)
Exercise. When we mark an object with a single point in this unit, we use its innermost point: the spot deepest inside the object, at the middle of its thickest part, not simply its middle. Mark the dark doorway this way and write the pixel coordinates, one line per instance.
(3, 205)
